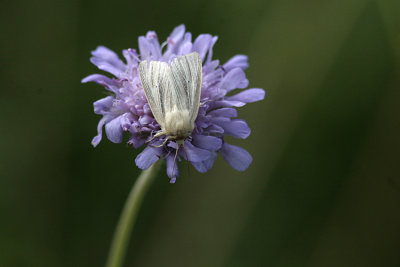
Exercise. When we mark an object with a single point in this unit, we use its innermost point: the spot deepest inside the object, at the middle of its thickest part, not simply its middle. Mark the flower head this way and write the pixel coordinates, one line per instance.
(126, 108)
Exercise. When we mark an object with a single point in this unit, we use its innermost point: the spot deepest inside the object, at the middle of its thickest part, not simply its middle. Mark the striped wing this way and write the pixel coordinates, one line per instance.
(186, 77)
(157, 84)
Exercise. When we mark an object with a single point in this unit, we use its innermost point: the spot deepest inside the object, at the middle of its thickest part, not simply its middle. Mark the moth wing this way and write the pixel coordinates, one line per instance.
(156, 81)
(187, 77)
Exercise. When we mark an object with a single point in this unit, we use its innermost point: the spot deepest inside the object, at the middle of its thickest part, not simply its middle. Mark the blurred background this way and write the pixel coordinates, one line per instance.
(324, 187)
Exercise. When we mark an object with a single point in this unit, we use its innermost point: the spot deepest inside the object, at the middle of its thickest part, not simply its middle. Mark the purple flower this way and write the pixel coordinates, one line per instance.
(127, 110)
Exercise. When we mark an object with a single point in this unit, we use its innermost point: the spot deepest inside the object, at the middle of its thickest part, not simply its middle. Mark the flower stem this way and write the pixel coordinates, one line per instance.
(128, 216)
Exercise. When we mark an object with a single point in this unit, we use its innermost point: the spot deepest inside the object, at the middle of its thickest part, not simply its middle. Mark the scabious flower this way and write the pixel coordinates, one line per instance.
(126, 108)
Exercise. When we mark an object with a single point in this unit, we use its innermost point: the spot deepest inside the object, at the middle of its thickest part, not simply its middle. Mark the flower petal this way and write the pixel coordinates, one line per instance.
(238, 61)
(96, 140)
(212, 76)
(186, 45)
(136, 140)
(176, 35)
(172, 167)
(107, 60)
(237, 128)
(114, 130)
(210, 49)
(145, 119)
(226, 103)
(204, 166)
(103, 105)
(248, 96)
(237, 157)
(147, 109)
(196, 154)
(126, 121)
(202, 44)
(108, 83)
(144, 48)
(234, 79)
(223, 112)
(214, 129)
(148, 156)
(149, 46)
(155, 47)
(131, 57)
(201, 122)
(207, 142)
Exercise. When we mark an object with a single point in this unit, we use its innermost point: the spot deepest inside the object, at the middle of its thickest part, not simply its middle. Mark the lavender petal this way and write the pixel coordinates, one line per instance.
(103, 105)
(96, 140)
(204, 166)
(154, 45)
(237, 157)
(226, 103)
(238, 61)
(114, 130)
(223, 112)
(105, 59)
(237, 128)
(195, 154)
(108, 83)
(234, 79)
(176, 35)
(148, 157)
(172, 167)
(201, 44)
(136, 140)
(248, 96)
(211, 143)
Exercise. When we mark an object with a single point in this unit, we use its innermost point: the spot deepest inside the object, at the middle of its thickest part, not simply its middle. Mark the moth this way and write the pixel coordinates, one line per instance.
(173, 93)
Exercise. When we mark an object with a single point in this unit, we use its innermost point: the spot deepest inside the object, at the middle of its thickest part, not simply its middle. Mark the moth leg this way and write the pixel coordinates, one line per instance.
(163, 144)
(176, 154)
(158, 134)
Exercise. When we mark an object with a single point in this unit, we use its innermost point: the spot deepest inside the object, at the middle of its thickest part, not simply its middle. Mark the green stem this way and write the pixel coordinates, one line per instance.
(128, 216)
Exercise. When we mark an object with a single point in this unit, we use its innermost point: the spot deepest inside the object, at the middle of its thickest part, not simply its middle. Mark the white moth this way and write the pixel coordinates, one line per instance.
(173, 93)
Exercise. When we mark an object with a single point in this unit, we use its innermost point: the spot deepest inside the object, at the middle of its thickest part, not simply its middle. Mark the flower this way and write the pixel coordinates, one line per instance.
(126, 108)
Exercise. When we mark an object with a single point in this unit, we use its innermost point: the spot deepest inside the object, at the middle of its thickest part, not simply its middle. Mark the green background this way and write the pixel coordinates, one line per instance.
(324, 186)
